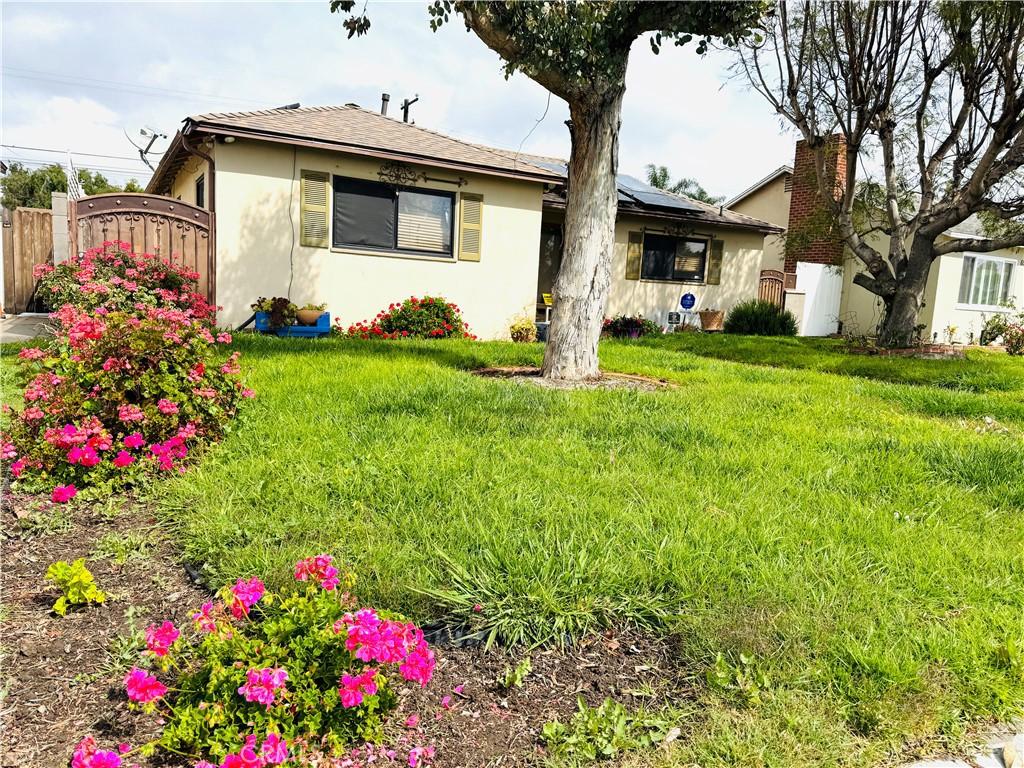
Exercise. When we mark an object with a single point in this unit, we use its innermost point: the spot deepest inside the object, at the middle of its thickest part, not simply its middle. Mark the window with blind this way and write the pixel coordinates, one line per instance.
(677, 259)
(368, 214)
(985, 281)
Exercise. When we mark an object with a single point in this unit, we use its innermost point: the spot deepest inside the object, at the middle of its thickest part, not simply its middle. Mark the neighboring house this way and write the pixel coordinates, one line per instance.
(349, 207)
(963, 288)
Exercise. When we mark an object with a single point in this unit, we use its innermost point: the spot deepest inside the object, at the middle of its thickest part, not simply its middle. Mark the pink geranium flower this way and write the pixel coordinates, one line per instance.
(204, 619)
(63, 493)
(352, 689)
(263, 685)
(160, 639)
(134, 440)
(318, 569)
(167, 407)
(86, 755)
(274, 749)
(143, 687)
(123, 459)
(247, 593)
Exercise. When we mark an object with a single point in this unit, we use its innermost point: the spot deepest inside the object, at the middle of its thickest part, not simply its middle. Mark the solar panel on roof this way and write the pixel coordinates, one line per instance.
(648, 195)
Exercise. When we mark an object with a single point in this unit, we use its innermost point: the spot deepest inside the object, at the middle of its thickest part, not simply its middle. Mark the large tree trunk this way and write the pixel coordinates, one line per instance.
(899, 328)
(581, 289)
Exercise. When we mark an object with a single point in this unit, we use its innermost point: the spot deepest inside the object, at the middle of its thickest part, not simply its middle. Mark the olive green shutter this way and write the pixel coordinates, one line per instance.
(634, 255)
(714, 273)
(313, 188)
(471, 222)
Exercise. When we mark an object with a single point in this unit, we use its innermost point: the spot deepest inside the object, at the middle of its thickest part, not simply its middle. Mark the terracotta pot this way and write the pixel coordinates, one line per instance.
(308, 316)
(711, 319)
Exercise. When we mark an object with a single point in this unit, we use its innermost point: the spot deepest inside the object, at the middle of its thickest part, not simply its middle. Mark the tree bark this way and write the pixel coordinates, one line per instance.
(580, 292)
(904, 305)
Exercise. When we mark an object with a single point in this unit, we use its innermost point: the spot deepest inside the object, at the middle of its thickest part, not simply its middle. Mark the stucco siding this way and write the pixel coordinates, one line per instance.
(769, 203)
(258, 250)
(184, 185)
(654, 299)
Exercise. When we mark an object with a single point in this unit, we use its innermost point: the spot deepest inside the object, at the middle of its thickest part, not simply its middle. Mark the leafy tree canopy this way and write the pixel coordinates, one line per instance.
(24, 187)
(659, 176)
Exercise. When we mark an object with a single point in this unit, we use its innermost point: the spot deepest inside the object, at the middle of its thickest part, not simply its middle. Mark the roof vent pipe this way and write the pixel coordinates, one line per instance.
(384, 99)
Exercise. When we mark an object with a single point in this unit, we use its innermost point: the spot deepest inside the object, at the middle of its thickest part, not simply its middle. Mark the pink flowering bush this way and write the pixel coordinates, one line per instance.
(128, 387)
(111, 278)
(263, 678)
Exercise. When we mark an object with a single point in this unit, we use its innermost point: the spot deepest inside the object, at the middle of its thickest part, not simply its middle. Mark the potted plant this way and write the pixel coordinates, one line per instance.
(711, 319)
(274, 313)
(308, 314)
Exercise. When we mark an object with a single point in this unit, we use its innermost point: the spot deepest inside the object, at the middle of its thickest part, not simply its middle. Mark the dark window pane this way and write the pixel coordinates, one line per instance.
(425, 222)
(690, 258)
(659, 257)
(201, 192)
(364, 213)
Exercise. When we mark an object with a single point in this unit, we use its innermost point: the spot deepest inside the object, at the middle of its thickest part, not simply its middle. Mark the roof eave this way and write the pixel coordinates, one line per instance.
(700, 216)
(220, 129)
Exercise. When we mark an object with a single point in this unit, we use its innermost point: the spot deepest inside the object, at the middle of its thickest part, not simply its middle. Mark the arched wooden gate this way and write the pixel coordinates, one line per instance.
(771, 286)
(154, 224)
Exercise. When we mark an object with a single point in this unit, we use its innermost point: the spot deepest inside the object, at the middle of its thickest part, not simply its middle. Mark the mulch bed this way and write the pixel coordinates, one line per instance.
(606, 380)
(62, 680)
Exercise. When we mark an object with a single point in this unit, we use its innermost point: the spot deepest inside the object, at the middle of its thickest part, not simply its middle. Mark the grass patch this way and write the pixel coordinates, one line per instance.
(832, 518)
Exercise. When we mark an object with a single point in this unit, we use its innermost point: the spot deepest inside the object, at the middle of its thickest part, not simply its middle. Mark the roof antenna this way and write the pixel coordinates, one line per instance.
(294, 105)
(405, 108)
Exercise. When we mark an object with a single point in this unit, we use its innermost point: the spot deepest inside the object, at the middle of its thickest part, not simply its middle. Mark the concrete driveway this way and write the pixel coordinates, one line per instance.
(24, 327)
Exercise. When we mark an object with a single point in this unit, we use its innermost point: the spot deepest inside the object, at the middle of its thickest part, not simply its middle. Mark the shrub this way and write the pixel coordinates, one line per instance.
(76, 584)
(111, 278)
(523, 330)
(296, 676)
(994, 326)
(1013, 336)
(125, 388)
(431, 317)
(626, 327)
(757, 317)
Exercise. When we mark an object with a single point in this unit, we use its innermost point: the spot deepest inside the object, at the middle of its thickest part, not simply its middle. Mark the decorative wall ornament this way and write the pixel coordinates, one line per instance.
(399, 174)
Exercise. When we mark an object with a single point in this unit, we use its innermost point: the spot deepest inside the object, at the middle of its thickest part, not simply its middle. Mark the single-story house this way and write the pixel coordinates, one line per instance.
(963, 289)
(348, 207)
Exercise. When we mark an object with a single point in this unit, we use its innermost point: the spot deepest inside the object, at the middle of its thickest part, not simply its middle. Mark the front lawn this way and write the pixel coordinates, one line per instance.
(860, 539)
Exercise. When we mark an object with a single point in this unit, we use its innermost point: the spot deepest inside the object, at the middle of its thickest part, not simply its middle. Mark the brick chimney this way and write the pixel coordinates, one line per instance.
(807, 239)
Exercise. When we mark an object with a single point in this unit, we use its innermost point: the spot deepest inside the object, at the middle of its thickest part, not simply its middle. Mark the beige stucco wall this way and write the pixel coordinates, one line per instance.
(654, 299)
(769, 203)
(258, 250)
(184, 185)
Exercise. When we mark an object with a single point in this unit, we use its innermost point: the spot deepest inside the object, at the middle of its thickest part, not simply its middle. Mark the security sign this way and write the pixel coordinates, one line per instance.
(688, 301)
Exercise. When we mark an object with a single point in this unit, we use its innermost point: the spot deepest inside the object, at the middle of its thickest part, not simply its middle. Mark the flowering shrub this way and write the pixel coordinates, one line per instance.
(112, 278)
(431, 317)
(263, 678)
(626, 327)
(1013, 336)
(127, 386)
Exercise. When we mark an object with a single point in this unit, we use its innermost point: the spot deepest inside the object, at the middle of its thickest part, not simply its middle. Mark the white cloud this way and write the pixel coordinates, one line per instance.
(36, 27)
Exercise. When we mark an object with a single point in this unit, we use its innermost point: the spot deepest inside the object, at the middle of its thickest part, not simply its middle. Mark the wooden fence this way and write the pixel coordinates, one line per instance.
(28, 242)
(771, 286)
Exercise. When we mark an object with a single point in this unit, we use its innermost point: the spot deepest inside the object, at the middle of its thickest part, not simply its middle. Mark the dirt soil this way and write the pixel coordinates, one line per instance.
(605, 381)
(62, 676)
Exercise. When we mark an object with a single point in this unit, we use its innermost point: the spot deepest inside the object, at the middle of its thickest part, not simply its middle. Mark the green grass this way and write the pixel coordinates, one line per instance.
(839, 519)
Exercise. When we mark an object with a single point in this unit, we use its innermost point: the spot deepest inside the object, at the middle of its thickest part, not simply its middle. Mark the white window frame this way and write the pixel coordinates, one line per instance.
(981, 257)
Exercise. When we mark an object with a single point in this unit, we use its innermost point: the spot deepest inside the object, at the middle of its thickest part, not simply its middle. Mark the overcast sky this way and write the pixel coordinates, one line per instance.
(78, 76)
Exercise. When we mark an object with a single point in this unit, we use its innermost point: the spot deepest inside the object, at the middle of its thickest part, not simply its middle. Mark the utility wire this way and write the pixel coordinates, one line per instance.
(45, 163)
(116, 85)
(73, 152)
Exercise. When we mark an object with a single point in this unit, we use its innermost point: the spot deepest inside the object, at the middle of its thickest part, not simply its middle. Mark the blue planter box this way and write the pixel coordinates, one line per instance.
(322, 327)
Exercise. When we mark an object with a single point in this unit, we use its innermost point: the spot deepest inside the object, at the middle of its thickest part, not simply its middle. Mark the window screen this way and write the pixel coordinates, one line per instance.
(424, 222)
(364, 213)
(673, 258)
